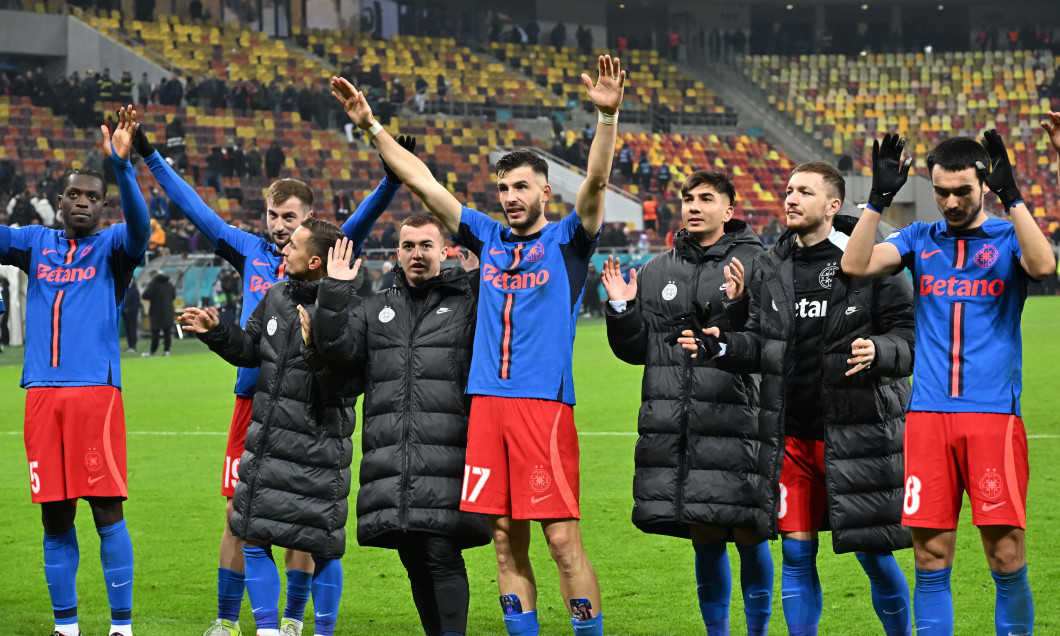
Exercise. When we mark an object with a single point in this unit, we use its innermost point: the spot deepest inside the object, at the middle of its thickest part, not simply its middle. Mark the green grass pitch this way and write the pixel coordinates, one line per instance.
(178, 410)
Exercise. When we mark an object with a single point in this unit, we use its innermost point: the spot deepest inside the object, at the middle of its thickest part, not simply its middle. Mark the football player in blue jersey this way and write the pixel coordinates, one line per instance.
(964, 430)
(522, 452)
(261, 264)
(75, 421)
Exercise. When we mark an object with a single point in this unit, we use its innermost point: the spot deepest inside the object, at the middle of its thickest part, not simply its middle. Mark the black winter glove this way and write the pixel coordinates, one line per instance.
(889, 172)
(694, 320)
(140, 143)
(999, 178)
(408, 142)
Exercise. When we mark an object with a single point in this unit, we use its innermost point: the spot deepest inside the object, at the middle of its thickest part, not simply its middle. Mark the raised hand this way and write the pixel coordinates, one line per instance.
(1000, 179)
(198, 320)
(121, 140)
(408, 142)
(353, 102)
(616, 287)
(339, 261)
(864, 352)
(469, 262)
(734, 287)
(1052, 128)
(889, 170)
(307, 334)
(610, 85)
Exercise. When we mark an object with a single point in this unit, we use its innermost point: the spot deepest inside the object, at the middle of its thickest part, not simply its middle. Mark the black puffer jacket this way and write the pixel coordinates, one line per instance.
(415, 369)
(701, 457)
(295, 470)
(864, 414)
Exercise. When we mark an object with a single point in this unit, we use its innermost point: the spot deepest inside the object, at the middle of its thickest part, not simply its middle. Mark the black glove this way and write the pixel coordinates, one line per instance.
(694, 320)
(889, 172)
(140, 143)
(408, 142)
(999, 178)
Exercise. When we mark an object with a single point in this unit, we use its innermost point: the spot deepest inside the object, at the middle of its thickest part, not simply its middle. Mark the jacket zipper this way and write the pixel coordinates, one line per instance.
(686, 408)
(406, 410)
(266, 426)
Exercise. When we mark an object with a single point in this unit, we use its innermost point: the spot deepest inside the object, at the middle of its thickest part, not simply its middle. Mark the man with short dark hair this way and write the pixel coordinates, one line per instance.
(703, 469)
(411, 344)
(835, 354)
(260, 263)
(295, 467)
(965, 430)
(75, 421)
(521, 380)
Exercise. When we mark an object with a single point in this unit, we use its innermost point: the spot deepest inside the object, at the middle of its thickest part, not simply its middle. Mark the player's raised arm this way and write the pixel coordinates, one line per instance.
(889, 173)
(118, 147)
(1037, 259)
(187, 199)
(405, 165)
(607, 97)
(360, 223)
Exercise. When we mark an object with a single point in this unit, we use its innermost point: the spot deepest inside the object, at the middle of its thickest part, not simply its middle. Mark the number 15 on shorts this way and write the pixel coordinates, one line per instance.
(480, 475)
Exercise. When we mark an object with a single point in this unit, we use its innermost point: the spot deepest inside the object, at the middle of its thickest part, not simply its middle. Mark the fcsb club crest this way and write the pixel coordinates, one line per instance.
(536, 253)
(991, 484)
(93, 460)
(986, 256)
(827, 274)
(540, 480)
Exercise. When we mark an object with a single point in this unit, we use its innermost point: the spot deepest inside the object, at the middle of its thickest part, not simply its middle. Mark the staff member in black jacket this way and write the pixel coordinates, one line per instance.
(295, 469)
(412, 345)
(835, 354)
(703, 467)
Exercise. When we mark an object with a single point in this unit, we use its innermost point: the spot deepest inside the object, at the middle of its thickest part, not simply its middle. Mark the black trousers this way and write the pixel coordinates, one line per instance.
(165, 332)
(130, 330)
(439, 581)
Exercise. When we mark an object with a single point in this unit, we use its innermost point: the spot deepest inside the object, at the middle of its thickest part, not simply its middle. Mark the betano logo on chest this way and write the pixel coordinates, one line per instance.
(64, 274)
(953, 286)
(259, 284)
(510, 282)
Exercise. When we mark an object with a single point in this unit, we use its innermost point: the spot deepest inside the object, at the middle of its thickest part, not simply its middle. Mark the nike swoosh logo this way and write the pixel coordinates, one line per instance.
(319, 615)
(851, 310)
(257, 609)
(989, 507)
(759, 594)
(496, 252)
(259, 263)
(788, 596)
(535, 500)
(723, 286)
(897, 611)
(924, 254)
(46, 252)
(92, 480)
(120, 584)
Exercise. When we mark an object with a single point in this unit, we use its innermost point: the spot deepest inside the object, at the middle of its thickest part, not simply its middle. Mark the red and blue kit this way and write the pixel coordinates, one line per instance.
(529, 296)
(964, 427)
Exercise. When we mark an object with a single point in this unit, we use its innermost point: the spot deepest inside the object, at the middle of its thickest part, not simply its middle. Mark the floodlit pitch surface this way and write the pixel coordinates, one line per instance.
(178, 411)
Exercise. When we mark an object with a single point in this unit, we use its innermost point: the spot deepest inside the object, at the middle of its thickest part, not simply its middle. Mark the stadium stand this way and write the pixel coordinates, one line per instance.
(848, 101)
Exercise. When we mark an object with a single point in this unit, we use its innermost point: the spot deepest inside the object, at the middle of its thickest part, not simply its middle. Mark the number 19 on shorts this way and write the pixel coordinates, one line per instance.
(480, 475)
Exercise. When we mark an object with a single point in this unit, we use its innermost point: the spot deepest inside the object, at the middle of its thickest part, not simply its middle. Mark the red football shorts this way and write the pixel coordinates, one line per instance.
(75, 443)
(522, 459)
(983, 454)
(802, 494)
(237, 436)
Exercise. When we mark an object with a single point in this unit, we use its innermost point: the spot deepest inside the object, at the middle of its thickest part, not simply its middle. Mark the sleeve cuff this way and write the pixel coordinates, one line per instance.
(618, 305)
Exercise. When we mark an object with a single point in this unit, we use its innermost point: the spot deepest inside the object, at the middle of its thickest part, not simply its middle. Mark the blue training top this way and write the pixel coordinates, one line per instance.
(529, 296)
(76, 289)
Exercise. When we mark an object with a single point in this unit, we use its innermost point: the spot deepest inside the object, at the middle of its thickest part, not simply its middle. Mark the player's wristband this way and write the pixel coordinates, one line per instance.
(374, 130)
(607, 120)
(872, 208)
(1012, 205)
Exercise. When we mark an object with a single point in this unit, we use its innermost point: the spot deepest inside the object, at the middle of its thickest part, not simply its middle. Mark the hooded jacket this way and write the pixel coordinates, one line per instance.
(863, 414)
(701, 456)
(412, 346)
(294, 475)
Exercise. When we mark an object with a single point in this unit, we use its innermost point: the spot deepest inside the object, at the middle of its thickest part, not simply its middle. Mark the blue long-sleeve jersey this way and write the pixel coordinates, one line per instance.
(257, 260)
(76, 288)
